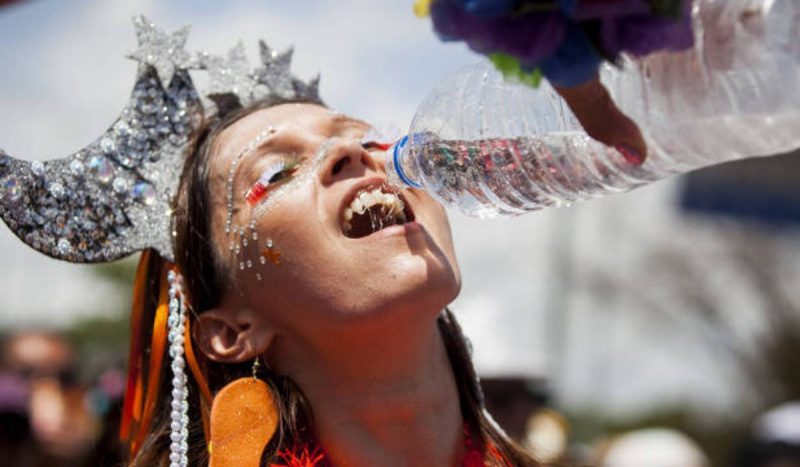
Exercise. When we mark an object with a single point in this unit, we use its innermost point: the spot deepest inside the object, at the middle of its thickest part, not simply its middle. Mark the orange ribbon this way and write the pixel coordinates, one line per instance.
(140, 400)
(131, 407)
(158, 344)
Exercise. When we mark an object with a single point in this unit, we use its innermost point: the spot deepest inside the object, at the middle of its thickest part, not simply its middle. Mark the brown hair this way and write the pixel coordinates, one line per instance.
(203, 276)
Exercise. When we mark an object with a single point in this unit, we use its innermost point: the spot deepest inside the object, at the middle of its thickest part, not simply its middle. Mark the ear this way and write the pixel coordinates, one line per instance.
(232, 335)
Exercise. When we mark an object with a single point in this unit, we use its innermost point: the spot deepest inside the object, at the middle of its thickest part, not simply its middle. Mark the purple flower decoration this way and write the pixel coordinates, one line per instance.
(642, 34)
(487, 8)
(576, 60)
(551, 35)
(528, 37)
(582, 10)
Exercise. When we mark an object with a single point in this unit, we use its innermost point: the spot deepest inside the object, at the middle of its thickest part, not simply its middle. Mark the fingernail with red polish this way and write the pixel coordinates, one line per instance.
(631, 155)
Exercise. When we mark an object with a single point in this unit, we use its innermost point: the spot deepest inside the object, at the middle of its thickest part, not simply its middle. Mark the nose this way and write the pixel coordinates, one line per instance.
(345, 158)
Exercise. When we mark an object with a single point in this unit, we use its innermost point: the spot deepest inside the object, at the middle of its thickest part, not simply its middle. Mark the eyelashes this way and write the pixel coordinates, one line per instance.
(273, 174)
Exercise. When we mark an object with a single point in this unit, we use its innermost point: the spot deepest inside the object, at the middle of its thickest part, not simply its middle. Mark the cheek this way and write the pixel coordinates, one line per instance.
(436, 221)
(288, 255)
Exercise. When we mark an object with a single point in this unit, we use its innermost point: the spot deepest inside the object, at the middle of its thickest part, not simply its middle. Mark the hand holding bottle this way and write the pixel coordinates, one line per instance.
(600, 117)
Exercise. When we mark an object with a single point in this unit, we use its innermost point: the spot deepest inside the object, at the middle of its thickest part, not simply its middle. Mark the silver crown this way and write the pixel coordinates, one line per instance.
(114, 197)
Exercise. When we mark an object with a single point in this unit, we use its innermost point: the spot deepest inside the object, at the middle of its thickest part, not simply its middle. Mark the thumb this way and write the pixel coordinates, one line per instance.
(601, 118)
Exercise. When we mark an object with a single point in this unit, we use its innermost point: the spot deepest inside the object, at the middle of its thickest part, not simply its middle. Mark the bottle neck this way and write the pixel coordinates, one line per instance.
(397, 163)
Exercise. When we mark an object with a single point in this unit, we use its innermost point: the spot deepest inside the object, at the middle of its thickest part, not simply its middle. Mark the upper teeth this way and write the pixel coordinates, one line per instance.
(366, 199)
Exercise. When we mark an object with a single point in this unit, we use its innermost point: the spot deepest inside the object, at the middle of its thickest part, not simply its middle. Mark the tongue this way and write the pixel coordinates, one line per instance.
(374, 219)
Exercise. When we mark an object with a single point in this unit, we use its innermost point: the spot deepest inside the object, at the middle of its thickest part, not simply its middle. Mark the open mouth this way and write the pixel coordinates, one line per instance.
(374, 208)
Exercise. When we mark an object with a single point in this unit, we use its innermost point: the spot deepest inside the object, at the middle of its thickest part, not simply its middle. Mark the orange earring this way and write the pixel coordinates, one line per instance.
(244, 417)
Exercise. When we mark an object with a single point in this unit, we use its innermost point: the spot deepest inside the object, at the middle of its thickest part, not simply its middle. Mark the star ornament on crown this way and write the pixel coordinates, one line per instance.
(114, 197)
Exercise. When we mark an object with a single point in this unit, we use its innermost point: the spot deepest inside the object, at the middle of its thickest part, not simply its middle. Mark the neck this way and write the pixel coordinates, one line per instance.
(384, 401)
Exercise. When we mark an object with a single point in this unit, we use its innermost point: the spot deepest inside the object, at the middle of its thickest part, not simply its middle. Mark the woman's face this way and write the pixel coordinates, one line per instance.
(295, 251)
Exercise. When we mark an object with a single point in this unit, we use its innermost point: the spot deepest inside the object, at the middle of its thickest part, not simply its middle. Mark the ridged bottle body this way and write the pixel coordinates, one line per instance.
(489, 147)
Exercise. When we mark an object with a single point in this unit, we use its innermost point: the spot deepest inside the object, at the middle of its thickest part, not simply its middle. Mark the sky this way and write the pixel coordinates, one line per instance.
(65, 77)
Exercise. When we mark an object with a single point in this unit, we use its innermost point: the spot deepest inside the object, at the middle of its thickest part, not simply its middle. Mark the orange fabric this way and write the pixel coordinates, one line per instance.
(158, 344)
(477, 454)
(133, 385)
(140, 400)
(243, 419)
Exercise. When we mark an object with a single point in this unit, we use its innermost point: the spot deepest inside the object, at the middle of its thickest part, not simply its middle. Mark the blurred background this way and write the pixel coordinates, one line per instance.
(664, 322)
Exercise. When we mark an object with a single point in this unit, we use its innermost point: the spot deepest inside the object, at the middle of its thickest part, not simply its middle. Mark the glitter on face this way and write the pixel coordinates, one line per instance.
(255, 142)
(244, 235)
(303, 177)
(271, 255)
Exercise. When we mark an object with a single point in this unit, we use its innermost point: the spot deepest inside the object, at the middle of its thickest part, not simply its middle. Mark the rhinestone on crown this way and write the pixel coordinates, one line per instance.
(114, 197)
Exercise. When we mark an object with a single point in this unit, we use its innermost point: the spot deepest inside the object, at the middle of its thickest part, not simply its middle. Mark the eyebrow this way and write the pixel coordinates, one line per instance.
(271, 141)
(340, 120)
(346, 119)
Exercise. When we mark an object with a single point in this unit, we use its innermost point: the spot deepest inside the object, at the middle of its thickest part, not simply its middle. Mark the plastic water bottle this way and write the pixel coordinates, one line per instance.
(490, 147)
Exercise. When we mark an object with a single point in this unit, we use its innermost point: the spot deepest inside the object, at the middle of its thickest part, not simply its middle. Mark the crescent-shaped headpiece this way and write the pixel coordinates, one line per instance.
(114, 197)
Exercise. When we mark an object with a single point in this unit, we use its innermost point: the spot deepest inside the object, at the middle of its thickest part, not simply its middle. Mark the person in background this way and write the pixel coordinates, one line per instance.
(17, 446)
(774, 440)
(49, 421)
(653, 447)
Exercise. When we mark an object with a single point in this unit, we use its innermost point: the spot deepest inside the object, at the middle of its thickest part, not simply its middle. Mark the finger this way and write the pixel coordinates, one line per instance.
(601, 118)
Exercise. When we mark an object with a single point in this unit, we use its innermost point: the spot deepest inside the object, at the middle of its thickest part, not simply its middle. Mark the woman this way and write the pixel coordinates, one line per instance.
(289, 306)
(365, 366)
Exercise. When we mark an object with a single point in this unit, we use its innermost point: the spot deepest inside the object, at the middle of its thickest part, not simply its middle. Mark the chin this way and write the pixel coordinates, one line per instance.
(425, 281)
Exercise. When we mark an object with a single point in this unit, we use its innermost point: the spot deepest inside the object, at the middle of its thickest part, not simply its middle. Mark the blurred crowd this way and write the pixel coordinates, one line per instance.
(51, 415)
(520, 407)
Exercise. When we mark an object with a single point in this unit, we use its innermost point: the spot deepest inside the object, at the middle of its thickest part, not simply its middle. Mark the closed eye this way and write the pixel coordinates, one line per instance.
(272, 175)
